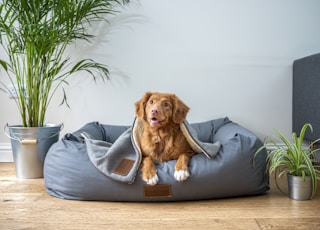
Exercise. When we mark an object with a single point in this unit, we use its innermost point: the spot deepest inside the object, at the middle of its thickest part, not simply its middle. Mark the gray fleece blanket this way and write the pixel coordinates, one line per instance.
(121, 160)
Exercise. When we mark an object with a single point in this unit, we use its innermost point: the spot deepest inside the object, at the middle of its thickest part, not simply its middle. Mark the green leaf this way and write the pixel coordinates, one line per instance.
(35, 35)
(292, 157)
(4, 65)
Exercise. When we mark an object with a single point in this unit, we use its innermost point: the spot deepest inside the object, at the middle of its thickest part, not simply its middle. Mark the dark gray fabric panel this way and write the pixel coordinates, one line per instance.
(69, 174)
(306, 95)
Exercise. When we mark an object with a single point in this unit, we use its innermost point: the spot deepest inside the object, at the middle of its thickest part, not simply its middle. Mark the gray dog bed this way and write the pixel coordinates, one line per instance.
(73, 169)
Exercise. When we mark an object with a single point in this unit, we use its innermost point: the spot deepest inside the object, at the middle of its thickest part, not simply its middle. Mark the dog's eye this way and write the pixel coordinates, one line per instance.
(151, 102)
(166, 104)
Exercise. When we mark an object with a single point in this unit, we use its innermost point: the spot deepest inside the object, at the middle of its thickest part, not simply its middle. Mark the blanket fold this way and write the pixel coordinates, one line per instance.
(121, 160)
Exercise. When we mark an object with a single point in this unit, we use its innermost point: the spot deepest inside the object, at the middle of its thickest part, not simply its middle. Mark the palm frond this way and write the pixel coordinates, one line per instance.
(35, 35)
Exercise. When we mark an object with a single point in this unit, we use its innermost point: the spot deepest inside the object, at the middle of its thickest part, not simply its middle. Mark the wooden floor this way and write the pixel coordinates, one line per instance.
(25, 204)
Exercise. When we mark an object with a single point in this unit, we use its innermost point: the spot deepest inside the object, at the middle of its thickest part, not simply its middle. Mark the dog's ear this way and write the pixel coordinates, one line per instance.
(180, 110)
(141, 104)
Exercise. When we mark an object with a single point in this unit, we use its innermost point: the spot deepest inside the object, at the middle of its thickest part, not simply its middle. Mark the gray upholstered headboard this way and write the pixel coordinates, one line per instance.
(306, 95)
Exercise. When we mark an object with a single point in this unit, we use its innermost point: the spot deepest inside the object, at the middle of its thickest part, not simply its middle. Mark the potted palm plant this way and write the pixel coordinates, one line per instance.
(296, 160)
(35, 35)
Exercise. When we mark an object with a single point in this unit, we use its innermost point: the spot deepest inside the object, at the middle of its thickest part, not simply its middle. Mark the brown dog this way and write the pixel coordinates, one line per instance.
(162, 140)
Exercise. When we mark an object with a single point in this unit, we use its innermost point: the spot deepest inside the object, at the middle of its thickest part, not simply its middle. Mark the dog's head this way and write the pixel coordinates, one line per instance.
(160, 109)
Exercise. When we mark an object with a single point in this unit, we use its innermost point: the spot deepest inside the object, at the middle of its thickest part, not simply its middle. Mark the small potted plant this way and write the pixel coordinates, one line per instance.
(296, 160)
(35, 35)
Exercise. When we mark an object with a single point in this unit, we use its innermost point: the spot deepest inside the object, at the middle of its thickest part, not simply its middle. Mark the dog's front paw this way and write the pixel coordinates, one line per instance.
(152, 180)
(181, 175)
(149, 172)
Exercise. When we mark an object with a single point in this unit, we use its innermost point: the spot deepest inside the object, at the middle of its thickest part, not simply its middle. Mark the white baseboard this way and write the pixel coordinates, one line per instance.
(6, 152)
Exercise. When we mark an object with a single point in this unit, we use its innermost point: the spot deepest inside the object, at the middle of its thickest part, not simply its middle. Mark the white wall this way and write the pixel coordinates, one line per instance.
(222, 57)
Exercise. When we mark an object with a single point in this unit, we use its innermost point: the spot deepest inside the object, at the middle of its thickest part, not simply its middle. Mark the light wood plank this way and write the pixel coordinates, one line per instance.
(25, 204)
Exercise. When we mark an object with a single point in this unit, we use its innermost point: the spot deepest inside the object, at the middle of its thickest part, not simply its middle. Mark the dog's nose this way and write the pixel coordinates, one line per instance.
(154, 111)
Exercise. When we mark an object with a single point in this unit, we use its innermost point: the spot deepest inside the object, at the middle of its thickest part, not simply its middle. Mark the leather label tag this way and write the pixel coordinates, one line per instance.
(158, 190)
(124, 167)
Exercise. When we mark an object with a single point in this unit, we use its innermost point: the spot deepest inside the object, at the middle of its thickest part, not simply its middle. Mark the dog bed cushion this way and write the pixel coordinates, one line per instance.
(233, 171)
